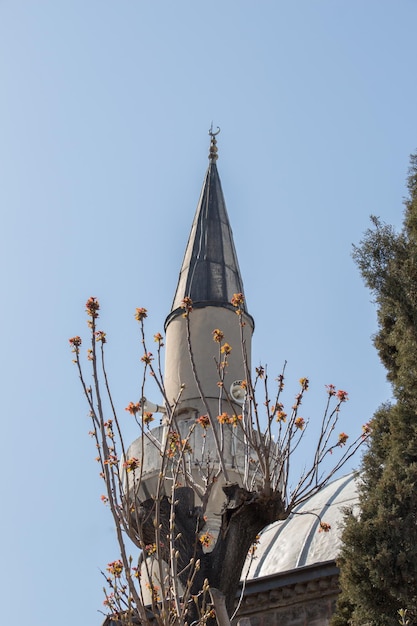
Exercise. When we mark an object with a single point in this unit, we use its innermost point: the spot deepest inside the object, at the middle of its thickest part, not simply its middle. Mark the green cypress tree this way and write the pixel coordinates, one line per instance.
(378, 560)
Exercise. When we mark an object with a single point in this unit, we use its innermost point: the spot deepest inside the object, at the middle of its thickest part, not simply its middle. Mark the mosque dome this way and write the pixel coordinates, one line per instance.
(297, 542)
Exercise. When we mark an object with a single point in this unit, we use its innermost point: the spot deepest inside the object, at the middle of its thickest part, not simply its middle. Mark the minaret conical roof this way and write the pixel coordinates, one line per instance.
(210, 272)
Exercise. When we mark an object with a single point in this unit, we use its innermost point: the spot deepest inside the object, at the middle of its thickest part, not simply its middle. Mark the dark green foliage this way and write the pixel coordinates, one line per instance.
(379, 556)
(388, 263)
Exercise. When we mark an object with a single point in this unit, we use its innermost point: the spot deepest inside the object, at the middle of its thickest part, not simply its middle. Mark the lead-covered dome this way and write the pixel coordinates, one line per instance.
(297, 542)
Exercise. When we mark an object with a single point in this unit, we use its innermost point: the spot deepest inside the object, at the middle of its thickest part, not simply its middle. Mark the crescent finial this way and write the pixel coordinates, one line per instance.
(211, 132)
(213, 147)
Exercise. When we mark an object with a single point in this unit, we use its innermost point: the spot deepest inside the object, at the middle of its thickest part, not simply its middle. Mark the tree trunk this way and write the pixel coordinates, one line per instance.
(244, 516)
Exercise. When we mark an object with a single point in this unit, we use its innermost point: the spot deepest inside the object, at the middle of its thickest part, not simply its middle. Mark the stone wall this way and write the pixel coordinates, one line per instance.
(303, 597)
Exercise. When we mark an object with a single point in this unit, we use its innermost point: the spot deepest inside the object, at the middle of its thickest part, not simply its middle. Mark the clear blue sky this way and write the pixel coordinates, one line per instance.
(104, 112)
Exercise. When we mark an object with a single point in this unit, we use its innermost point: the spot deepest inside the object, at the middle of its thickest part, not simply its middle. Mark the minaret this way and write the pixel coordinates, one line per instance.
(209, 276)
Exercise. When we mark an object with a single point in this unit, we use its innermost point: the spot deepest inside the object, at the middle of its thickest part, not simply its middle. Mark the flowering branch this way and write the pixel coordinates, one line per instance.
(153, 486)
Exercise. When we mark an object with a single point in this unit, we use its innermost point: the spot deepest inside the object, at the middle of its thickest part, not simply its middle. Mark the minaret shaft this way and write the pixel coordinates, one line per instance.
(206, 356)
